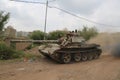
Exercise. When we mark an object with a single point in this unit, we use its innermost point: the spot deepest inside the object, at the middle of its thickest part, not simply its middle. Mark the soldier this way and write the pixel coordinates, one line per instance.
(67, 40)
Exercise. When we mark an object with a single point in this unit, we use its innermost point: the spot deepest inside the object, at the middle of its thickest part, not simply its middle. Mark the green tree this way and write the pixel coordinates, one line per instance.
(54, 35)
(37, 35)
(88, 33)
(3, 19)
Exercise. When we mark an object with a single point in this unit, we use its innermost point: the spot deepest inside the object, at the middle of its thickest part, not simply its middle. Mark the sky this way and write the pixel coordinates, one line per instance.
(29, 17)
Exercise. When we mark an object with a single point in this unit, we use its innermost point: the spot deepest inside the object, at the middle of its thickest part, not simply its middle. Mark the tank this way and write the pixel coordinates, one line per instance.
(70, 48)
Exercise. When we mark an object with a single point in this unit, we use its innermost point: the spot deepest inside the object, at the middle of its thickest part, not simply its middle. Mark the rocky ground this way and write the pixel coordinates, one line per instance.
(106, 67)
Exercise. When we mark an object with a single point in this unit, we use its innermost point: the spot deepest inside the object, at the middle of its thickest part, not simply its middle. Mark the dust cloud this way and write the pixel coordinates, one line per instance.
(116, 50)
(110, 43)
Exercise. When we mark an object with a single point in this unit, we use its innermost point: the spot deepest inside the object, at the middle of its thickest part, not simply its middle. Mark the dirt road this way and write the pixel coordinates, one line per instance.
(105, 68)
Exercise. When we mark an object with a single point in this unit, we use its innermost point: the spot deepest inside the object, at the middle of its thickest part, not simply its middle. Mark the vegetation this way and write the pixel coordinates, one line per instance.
(37, 35)
(32, 46)
(9, 53)
(88, 33)
(6, 52)
(54, 35)
(3, 19)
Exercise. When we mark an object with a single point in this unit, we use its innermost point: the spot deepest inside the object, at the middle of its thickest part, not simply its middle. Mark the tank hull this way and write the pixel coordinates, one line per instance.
(70, 54)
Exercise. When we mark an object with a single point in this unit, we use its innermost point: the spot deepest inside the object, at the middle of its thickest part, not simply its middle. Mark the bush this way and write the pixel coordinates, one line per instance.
(54, 35)
(37, 35)
(88, 33)
(9, 53)
(18, 54)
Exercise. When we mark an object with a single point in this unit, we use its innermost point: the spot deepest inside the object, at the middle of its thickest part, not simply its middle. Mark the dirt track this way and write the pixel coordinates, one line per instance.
(105, 68)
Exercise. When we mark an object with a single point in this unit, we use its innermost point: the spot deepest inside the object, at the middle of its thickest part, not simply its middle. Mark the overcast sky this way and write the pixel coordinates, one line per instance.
(29, 17)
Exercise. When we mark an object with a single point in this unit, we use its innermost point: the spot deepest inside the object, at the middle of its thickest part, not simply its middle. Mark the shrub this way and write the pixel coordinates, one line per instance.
(37, 35)
(9, 53)
(18, 54)
(88, 33)
(54, 35)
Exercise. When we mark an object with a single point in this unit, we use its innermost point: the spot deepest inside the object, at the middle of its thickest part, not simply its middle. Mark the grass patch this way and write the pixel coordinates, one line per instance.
(31, 57)
(26, 57)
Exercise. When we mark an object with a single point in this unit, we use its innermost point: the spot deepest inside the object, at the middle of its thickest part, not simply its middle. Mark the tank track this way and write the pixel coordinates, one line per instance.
(68, 56)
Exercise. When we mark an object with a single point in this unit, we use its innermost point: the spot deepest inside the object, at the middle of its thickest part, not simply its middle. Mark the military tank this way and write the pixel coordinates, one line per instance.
(70, 48)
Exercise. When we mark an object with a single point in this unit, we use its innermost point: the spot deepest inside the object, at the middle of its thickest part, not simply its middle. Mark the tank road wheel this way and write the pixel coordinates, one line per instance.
(66, 58)
(90, 56)
(84, 57)
(77, 57)
(96, 55)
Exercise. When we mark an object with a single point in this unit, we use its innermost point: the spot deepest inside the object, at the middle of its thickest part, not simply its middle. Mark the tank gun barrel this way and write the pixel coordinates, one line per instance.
(35, 41)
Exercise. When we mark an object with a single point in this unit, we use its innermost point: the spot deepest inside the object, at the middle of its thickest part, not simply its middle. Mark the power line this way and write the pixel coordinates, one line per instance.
(85, 19)
(29, 2)
(88, 20)
(34, 2)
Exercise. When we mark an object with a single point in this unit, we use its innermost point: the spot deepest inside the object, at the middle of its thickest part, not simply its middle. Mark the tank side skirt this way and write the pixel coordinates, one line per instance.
(78, 51)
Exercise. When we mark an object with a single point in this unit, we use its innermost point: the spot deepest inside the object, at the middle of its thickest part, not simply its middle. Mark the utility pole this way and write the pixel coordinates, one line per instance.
(46, 13)
(45, 19)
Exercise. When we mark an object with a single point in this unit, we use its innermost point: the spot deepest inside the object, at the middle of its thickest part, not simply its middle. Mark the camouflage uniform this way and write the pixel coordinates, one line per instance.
(66, 40)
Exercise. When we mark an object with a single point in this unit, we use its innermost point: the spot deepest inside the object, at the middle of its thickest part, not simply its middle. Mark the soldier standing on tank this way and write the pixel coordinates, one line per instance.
(67, 40)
